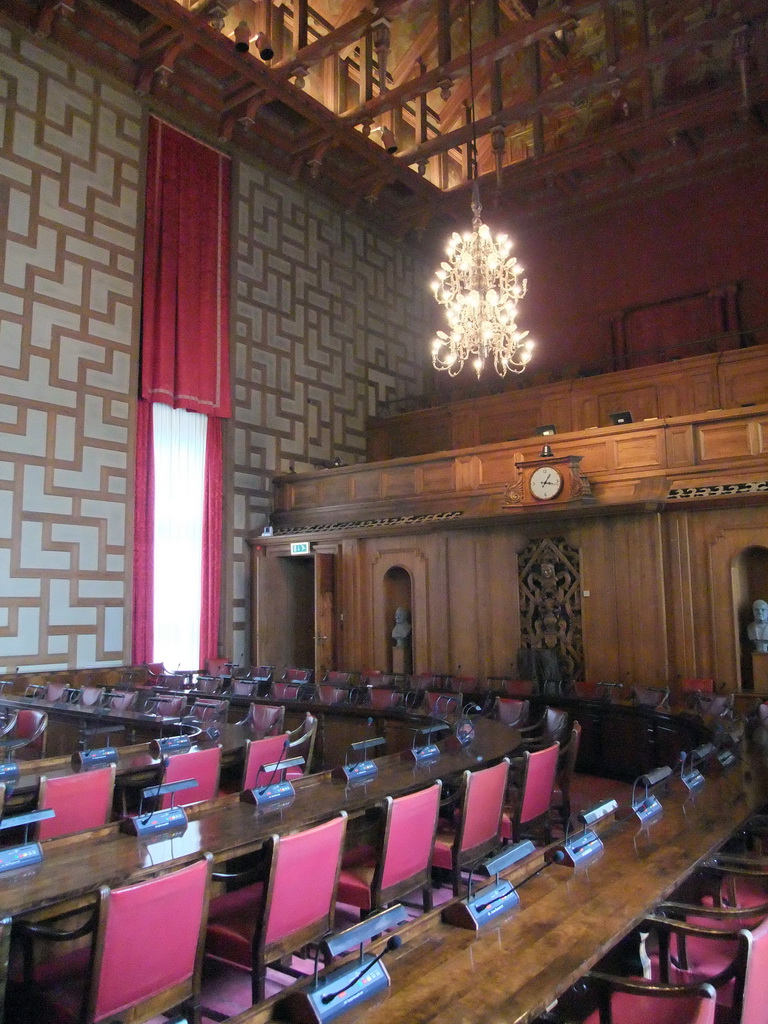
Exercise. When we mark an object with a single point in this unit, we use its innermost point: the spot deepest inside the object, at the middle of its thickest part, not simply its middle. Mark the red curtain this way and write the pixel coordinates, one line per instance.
(185, 318)
(143, 537)
(212, 529)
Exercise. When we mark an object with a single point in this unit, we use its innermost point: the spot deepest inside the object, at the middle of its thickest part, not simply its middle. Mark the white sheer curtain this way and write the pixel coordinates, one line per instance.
(179, 453)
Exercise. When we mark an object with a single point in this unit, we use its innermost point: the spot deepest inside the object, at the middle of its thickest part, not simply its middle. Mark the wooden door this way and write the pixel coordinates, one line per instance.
(325, 614)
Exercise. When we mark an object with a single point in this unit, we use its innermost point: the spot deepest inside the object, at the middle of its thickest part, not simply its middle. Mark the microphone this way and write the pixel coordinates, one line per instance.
(393, 942)
(263, 789)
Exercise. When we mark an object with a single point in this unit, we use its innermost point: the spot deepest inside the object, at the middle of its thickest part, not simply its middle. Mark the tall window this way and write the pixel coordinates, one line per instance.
(179, 455)
(184, 399)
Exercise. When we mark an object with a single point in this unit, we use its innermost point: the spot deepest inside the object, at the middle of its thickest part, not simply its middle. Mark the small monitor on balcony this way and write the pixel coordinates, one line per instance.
(617, 418)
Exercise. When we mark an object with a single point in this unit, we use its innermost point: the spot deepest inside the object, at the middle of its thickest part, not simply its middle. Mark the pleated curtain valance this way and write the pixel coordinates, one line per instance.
(185, 315)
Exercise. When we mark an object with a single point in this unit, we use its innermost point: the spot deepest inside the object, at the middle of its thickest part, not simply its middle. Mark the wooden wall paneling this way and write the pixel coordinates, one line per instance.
(717, 441)
(498, 568)
(600, 609)
(680, 449)
(741, 377)
(691, 392)
(689, 658)
(355, 648)
(468, 603)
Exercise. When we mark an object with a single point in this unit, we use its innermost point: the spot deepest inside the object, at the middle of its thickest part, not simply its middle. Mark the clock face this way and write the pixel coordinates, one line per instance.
(546, 482)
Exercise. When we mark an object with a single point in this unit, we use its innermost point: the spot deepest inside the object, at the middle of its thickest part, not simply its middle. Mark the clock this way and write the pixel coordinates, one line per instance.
(548, 480)
(545, 483)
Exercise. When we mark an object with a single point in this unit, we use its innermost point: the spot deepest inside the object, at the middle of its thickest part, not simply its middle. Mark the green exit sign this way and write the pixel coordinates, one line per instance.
(300, 547)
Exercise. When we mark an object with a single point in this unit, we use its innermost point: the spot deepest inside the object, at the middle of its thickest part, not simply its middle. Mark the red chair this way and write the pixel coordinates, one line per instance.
(90, 696)
(242, 687)
(327, 693)
(651, 696)
(697, 685)
(566, 766)
(216, 667)
(30, 730)
(477, 833)
(121, 700)
(442, 704)
(262, 922)
(371, 880)
(146, 954)
(426, 681)
(206, 712)
(294, 684)
(81, 801)
(261, 752)
(382, 697)
(265, 719)
(628, 1001)
(55, 692)
(203, 765)
(534, 796)
(519, 688)
(165, 707)
(302, 744)
(510, 711)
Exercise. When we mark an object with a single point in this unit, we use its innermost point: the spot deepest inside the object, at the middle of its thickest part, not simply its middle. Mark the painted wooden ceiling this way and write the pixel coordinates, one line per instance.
(567, 104)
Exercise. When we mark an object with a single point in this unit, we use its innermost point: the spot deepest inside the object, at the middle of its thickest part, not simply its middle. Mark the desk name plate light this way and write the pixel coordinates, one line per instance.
(340, 990)
(170, 819)
(649, 807)
(273, 793)
(488, 903)
(26, 854)
(429, 750)
(363, 769)
(586, 844)
(86, 759)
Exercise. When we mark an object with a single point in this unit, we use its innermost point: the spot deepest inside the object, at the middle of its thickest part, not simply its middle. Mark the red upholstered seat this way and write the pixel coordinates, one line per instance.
(203, 765)
(81, 801)
(165, 707)
(510, 711)
(122, 700)
(535, 794)
(261, 752)
(440, 703)
(382, 697)
(371, 879)
(147, 949)
(265, 719)
(639, 1008)
(477, 832)
(31, 726)
(262, 922)
(90, 696)
(55, 692)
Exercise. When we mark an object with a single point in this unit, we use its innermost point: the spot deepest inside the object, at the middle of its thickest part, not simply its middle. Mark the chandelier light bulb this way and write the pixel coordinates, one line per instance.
(480, 286)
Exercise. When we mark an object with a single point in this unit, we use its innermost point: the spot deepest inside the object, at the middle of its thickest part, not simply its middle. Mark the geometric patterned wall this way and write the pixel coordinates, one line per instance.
(69, 174)
(330, 319)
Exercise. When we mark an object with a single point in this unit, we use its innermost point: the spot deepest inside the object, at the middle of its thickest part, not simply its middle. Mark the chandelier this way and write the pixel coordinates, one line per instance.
(480, 286)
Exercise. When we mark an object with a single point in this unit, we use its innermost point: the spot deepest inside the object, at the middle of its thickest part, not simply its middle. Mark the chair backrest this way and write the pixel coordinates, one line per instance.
(651, 696)
(265, 719)
(409, 839)
(243, 687)
(262, 673)
(327, 693)
(483, 802)
(203, 765)
(261, 752)
(426, 681)
(303, 743)
(301, 891)
(166, 707)
(122, 700)
(438, 702)
(344, 679)
(512, 687)
(511, 711)
(208, 711)
(90, 696)
(297, 675)
(538, 783)
(286, 691)
(461, 684)
(697, 685)
(208, 684)
(81, 801)
(755, 998)
(556, 726)
(55, 692)
(162, 923)
(217, 666)
(383, 697)
(31, 725)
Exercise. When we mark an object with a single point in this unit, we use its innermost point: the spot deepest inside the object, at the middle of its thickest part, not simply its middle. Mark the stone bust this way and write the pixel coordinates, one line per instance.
(757, 631)
(401, 633)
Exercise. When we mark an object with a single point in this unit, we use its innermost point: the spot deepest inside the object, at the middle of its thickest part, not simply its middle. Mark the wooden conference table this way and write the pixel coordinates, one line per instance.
(515, 968)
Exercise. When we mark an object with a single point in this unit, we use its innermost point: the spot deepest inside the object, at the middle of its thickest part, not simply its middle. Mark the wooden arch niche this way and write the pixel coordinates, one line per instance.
(749, 578)
(399, 579)
(398, 593)
(738, 571)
